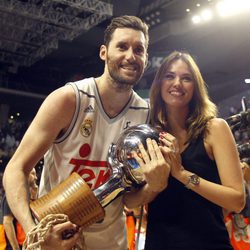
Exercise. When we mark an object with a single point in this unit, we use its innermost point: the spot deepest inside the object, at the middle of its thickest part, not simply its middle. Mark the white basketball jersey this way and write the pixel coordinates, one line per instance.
(84, 148)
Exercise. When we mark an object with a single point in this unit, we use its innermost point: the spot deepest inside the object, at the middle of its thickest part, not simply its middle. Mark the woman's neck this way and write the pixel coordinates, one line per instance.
(176, 120)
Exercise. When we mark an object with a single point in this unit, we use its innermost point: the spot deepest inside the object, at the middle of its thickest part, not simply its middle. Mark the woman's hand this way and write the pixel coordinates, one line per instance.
(171, 152)
(153, 165)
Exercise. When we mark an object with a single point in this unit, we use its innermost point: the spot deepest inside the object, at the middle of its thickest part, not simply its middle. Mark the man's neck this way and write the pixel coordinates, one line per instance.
(113, 97)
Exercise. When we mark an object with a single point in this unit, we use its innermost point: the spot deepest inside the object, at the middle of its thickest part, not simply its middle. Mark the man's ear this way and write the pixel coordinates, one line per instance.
(103, 52)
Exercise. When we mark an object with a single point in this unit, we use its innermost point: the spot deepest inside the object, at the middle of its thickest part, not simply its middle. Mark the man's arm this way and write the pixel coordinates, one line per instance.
(10, 231)
(141, 197)
(52, 119)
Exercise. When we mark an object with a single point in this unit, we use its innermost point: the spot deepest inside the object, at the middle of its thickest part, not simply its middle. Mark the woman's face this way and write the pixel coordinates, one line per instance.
(177, 86)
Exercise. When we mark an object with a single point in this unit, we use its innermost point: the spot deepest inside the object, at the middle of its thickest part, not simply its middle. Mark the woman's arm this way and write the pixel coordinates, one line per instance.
(221, 146)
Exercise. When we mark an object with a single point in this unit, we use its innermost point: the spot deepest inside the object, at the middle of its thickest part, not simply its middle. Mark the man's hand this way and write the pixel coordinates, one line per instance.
(62, 236)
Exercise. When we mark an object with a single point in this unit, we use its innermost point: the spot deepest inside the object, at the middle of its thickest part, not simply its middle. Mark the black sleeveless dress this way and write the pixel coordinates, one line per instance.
(180, 219)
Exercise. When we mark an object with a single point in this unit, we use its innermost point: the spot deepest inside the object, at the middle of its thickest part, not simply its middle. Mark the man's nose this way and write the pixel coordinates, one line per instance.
(130, 56)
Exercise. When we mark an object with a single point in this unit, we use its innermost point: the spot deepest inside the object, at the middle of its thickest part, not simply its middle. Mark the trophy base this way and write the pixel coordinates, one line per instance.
(72, 197)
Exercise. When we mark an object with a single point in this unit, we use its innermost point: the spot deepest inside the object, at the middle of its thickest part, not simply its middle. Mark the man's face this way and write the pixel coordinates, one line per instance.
(126, 56)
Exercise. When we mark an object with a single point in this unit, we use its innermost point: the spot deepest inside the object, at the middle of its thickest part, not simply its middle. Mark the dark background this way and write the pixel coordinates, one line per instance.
(44, 44)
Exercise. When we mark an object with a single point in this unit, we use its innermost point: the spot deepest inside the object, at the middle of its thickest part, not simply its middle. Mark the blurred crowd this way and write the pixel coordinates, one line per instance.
(241, 129)
(10, 137)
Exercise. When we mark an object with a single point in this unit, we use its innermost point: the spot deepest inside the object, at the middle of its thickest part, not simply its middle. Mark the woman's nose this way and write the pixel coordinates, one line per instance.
(177, 81)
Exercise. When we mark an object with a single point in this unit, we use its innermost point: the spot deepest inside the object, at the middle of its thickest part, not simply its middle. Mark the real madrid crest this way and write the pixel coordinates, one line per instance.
(86, 128)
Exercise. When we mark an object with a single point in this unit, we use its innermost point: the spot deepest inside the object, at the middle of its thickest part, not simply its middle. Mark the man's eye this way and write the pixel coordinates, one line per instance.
(122, 47)
(139, 51)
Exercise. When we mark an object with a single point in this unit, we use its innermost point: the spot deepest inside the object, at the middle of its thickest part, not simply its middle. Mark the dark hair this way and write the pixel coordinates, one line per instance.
(132, 22)
(201, 108)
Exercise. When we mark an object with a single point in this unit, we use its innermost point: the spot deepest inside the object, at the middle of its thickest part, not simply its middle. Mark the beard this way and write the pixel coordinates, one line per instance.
(120, 78)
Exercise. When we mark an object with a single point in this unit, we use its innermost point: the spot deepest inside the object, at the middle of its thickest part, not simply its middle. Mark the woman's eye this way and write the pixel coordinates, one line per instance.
(169, 77)
(187, 79)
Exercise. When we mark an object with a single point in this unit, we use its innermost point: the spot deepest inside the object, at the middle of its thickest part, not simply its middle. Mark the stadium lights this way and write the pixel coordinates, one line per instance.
(205, 15)
(196, 19)
(223, 8)
(231, 7)
(247, 80)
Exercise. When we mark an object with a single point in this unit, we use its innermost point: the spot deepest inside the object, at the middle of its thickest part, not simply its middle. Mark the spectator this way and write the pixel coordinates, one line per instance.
(12, 235)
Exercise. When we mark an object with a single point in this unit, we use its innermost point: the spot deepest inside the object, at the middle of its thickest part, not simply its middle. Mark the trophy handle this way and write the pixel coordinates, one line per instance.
(115, 186)
(111, 189)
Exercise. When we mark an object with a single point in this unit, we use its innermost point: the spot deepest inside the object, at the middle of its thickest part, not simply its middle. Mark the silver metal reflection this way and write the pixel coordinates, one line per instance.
(125, 170)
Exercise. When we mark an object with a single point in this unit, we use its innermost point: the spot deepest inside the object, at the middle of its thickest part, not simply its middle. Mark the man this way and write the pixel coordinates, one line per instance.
(13, 235)
(74, 128)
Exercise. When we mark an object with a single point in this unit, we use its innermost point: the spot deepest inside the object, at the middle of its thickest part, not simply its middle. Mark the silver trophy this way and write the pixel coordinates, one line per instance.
(126, 173)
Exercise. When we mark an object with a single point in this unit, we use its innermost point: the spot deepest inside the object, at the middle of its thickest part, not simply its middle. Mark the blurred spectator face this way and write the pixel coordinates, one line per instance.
(32, 184)
(32, 178)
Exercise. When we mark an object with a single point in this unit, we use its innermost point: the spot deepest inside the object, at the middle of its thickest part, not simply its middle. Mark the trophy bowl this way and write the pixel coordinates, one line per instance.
(126, 144)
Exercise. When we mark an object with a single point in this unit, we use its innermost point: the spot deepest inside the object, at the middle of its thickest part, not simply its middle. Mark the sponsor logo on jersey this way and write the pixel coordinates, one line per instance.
(86, 128)
(89, 109)
(95, 173)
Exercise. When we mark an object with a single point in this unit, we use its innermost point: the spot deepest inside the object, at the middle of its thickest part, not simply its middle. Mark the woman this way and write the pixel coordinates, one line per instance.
(205, 174)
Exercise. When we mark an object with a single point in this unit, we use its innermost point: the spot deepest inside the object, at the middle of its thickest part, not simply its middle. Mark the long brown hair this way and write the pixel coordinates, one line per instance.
(201, 108)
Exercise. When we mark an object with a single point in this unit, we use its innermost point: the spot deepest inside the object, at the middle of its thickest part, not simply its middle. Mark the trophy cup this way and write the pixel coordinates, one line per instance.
(84, 206)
